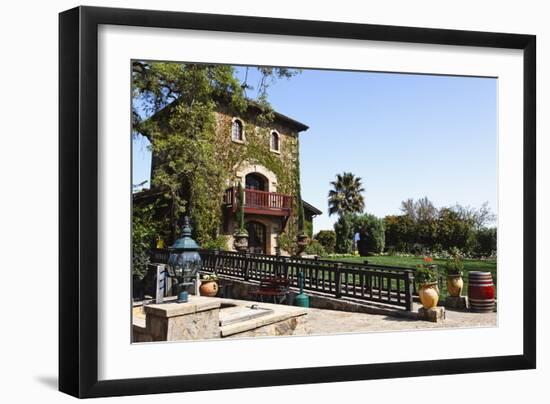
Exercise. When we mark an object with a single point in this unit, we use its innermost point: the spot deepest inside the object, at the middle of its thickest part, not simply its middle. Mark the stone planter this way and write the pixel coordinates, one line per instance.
(429, 295)
(241, 242)
(302, 241)
(209, 288)
(455, 283)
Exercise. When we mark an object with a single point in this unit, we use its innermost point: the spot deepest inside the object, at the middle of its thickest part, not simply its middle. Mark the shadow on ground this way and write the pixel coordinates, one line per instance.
(400, 319)
(48, 381)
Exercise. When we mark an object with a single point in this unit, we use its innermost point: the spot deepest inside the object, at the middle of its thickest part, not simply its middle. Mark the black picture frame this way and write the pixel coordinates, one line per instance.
(78, 196)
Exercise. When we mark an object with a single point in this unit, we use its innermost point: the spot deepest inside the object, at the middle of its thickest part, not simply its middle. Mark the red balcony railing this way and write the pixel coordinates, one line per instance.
(260, 202)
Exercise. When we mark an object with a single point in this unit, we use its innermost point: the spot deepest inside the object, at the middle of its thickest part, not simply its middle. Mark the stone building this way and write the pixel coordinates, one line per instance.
(269, 200)
(264, 156)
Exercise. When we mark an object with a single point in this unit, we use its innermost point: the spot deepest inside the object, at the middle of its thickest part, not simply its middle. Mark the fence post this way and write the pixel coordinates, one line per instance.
(277, 267)
(409, 290)
(285, 267)
(246, 266)
(338, 279)
(160, 284)
(216, 253)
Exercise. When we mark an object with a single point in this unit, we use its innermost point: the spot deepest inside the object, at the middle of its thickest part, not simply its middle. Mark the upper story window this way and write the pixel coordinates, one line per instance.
(237, 130)
(275, 142)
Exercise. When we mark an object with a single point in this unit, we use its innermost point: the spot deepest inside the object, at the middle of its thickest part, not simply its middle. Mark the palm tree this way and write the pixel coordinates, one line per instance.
(345, 197)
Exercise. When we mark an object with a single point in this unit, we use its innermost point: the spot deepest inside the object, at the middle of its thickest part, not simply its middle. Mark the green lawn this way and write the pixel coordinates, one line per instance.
(489, 265)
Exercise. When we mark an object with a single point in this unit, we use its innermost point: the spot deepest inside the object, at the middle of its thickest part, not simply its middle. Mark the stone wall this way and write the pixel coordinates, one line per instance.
(286, 327)
(197, 319)
(239, 289)
(210, 317)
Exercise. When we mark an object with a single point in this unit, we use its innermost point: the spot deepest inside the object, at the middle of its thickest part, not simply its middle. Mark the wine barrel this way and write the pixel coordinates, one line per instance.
(481, 292)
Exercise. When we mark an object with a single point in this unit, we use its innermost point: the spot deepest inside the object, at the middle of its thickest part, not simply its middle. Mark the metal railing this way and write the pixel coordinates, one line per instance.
(254, 199)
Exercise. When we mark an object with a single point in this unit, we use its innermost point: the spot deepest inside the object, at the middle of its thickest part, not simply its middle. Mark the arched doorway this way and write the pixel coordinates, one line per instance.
(256, 182)
(256, 237)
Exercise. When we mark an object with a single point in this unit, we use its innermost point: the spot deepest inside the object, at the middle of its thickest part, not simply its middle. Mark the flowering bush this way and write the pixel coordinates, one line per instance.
(209, 277)
(426, 273)
(454, 264)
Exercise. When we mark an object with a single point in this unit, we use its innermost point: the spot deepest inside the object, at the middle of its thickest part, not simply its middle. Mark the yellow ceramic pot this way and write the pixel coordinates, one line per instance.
(209, 288)
(455, 283)
(429, 295)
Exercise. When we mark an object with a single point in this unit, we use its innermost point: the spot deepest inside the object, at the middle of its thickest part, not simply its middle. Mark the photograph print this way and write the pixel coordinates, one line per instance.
(276, 201)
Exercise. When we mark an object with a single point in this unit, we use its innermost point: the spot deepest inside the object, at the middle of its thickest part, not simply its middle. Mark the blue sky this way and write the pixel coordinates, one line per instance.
(406, 136)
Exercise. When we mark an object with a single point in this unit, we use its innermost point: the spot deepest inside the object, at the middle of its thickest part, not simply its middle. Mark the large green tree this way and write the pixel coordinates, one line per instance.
(183, 98)
(423, 228)
(346, 197)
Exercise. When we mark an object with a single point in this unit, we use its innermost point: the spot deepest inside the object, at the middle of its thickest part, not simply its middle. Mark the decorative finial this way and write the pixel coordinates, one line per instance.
(186, 230)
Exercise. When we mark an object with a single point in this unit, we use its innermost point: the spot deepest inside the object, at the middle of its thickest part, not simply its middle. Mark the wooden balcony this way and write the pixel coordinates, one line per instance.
(259, 202)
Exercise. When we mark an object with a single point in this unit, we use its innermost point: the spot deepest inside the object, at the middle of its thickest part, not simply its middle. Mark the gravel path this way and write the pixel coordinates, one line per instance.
(319, 321)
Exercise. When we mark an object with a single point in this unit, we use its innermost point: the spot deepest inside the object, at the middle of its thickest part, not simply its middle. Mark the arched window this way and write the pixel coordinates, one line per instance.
(237, 133)
(275, 142)
(256, 181)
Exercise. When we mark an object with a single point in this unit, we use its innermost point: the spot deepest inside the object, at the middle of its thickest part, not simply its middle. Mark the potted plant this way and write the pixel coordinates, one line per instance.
(302, 239)
(453, 268)
(426, 277)
(241, 235)
(209, 285)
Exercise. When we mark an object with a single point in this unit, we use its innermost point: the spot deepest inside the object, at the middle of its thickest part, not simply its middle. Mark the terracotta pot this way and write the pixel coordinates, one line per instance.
(209, 288)
(455, 283)
(429, 295)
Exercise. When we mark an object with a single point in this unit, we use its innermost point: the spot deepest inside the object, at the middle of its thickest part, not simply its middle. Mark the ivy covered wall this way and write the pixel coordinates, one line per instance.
(221, 164)
(256, 148)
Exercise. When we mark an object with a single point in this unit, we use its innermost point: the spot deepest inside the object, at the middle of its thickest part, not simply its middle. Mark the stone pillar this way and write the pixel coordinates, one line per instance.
(435, 314)
(456, 302)
(199, 318)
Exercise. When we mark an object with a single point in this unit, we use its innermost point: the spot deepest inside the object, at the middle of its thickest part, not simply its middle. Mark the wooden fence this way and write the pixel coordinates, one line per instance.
(382, 284)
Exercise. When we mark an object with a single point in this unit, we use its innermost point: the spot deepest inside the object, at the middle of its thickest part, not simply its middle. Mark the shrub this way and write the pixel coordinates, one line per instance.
(486, 241)
(327, 238)
(308, 228)
(144, 233)
(371, 233)
(344, 234)
(209, 277)
(315, 248)
(287, 240)
(301, 217)
(400, 233)
(454, 264)
(452, 230)
(426, 273)
(219, 243)
(240, 210)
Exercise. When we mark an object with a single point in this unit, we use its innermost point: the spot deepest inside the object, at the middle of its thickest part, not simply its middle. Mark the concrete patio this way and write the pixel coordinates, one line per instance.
(211, 317)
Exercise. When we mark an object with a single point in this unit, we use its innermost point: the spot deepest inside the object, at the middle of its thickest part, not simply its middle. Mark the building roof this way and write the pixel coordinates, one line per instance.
(312, 209)
(288, 120)
(299, 126)
(146, 194)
